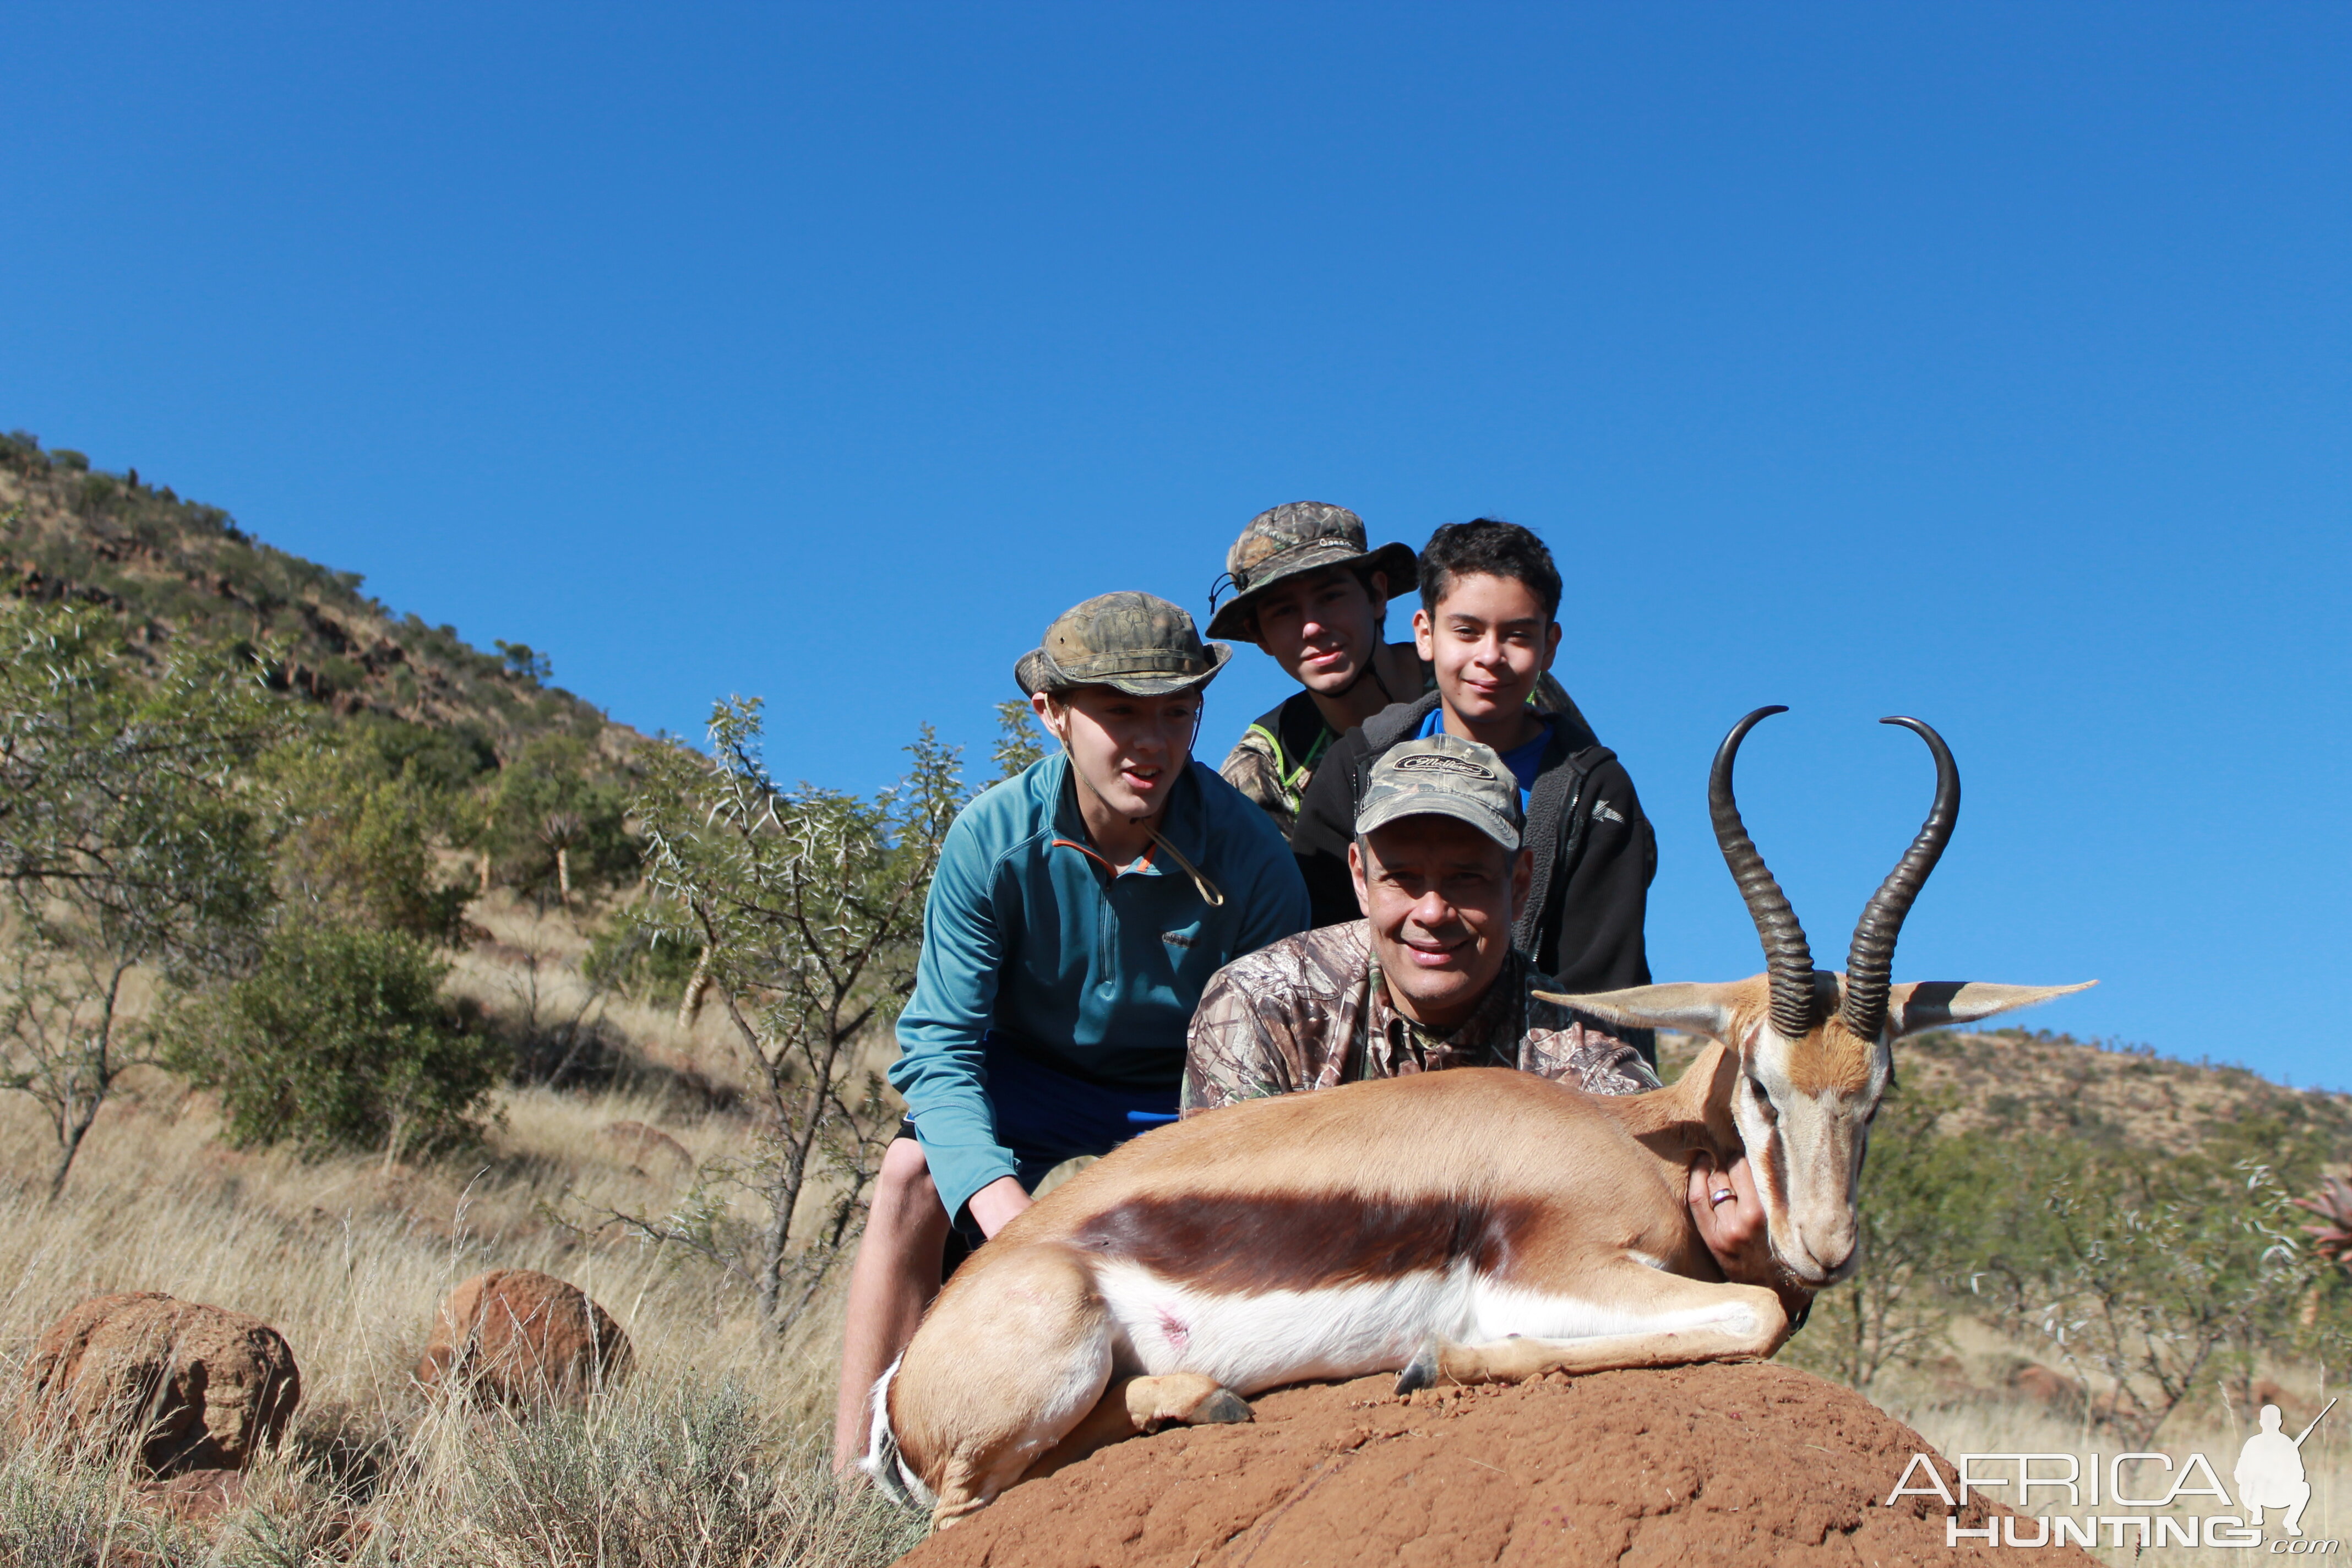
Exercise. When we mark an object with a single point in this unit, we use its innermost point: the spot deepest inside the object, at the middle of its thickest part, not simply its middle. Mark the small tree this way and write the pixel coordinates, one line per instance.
(2148, 1271)
(1018, 743)
(126, 843)
(554, 823)
(808, 904)
(340, 1040)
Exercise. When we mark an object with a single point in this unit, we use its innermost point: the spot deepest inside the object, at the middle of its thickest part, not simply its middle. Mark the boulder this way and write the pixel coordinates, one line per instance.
(515, 1337)
(1740, 1464)
(195, 1387)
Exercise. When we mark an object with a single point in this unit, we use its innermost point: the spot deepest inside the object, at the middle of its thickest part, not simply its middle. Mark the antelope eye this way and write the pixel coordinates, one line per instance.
(1763, 1101)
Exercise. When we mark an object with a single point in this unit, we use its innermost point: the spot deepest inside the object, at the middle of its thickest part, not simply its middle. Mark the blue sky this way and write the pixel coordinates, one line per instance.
(1990, 363)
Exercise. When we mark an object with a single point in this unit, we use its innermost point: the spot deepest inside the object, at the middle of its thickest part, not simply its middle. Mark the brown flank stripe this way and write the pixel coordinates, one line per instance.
(1230, 1245)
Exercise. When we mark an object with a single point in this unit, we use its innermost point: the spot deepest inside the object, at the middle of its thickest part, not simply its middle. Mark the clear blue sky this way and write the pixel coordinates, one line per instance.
(1984, 363)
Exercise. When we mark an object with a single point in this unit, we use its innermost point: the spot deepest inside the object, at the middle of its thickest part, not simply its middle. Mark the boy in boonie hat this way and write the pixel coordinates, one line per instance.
(1078, 912)
(1312, 593)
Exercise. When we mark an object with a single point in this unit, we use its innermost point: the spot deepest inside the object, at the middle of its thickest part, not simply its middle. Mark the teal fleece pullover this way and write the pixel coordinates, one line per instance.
(1029, 933)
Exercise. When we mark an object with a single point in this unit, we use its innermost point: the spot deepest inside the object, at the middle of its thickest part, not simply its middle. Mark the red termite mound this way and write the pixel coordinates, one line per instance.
(196, 1387)
(1752, 1465)
(517, 1338)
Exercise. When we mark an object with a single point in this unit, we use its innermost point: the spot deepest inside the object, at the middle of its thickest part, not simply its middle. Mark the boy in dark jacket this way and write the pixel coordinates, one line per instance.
(1489, 626)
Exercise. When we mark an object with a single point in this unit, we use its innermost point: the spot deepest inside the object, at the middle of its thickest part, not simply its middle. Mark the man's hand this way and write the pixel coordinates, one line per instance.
(995, 1204)
(1731, 1220)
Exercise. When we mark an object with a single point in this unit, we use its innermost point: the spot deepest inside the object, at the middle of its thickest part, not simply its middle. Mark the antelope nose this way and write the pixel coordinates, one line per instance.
(1835, 1255)
(1820, 1258)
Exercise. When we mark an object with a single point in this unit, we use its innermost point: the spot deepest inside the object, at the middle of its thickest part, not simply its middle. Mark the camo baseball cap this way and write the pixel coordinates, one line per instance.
(1444, 775)
(1141, 643)
(1299, 536)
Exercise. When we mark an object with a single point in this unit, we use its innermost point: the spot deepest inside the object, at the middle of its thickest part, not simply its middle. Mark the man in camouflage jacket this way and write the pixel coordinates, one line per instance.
(1429, 979)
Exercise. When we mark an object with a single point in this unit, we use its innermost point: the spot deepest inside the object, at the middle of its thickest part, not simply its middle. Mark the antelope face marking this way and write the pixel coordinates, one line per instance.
(1804, 1108)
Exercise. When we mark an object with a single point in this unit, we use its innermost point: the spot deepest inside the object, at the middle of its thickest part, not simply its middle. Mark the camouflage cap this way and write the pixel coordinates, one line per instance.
(1444, 775)
(1143, 645)
(1299, 536)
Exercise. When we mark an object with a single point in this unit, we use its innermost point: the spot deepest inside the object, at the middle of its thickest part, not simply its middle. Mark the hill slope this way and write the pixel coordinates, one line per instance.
(175, 571)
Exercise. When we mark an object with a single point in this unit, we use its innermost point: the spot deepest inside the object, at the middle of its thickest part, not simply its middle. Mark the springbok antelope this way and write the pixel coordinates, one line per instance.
(1477, 1225)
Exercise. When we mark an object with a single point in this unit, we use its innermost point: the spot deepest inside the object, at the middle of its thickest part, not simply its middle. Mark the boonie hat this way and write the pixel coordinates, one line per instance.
(1444, 775)
(1299, 536)
(1141, 643)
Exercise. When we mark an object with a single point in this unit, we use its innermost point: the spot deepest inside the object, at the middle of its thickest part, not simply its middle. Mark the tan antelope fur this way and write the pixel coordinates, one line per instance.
(1475, 1225)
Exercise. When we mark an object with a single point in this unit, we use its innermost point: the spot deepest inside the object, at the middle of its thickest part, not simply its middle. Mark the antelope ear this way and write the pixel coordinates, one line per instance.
(1691, 1007)
(1933, 1004)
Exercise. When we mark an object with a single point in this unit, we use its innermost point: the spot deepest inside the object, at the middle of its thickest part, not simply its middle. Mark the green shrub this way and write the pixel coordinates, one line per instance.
(354, 836)
(553, 826)
(340, 1039)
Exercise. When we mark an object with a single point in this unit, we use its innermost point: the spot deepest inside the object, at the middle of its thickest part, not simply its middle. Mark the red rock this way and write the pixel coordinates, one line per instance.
(196, 1387)
(2048, 1387)
(646, 1147)
(515, 1337)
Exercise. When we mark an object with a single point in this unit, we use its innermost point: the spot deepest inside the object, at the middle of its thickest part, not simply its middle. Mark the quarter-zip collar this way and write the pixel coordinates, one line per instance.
(1183, 826)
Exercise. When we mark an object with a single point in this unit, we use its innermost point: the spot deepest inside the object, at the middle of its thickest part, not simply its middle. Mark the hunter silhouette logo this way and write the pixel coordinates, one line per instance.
(2269, 1475)
(2270, 1471)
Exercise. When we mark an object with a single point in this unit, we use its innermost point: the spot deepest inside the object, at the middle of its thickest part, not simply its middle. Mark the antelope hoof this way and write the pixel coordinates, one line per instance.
(1419, 1373)
(1222, 1408)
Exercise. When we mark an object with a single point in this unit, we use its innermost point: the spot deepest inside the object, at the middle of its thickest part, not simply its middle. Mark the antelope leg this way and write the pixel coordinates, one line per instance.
(1691, 1320)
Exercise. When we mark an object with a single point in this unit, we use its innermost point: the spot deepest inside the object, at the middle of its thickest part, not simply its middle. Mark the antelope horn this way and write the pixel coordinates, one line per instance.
(1871, 961)
(1786, 955)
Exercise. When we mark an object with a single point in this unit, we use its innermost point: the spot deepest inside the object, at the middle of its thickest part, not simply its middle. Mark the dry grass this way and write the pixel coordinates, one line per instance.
(708, 1456)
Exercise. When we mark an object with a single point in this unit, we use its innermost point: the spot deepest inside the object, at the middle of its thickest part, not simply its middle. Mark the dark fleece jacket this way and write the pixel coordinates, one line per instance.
(1594, 851)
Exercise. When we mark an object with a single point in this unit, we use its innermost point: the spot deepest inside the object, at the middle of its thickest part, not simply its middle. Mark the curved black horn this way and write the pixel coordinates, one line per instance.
(1871, 961)
(1786, 955)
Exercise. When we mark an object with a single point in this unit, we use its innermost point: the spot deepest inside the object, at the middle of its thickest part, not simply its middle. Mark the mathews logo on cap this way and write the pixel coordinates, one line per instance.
(1438, 762)
(1442, 775)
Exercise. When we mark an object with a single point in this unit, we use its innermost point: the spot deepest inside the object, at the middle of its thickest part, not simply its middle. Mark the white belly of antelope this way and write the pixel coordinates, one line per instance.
(1248, 1342)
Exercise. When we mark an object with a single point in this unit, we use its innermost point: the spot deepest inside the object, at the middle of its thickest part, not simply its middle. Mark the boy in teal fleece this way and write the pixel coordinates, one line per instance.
(1077, 915)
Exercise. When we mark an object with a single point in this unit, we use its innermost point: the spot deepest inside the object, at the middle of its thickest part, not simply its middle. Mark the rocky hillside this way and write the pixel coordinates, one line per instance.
(176, 570)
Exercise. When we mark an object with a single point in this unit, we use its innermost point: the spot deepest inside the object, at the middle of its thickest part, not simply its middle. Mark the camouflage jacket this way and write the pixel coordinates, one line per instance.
(1277, 755)
(1310, 1011)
